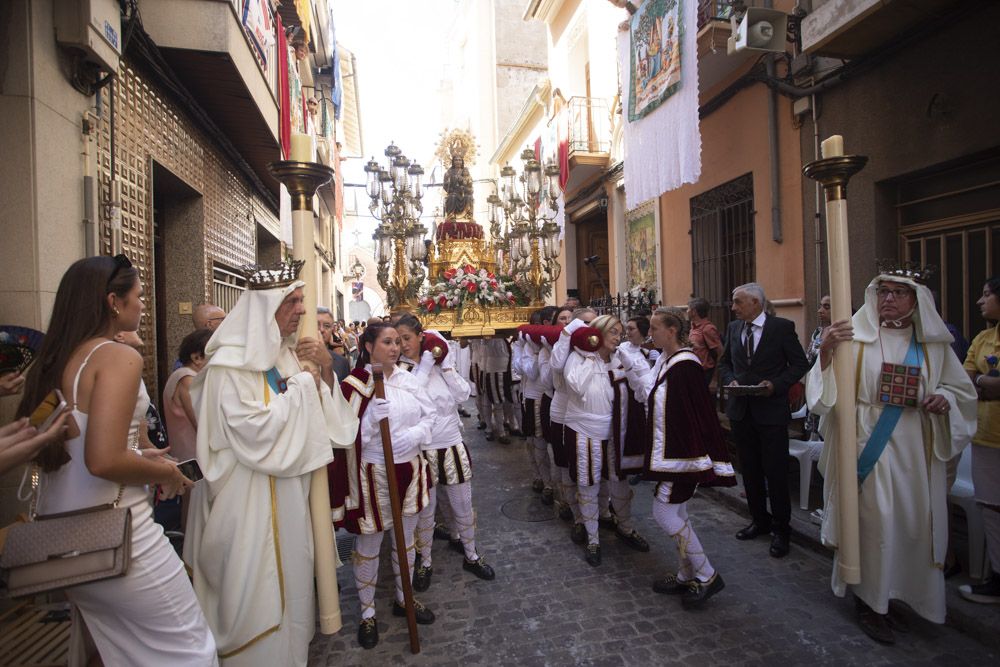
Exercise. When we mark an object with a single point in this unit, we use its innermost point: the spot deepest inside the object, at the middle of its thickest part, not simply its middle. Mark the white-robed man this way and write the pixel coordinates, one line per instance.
(916, 409)
(264, 424)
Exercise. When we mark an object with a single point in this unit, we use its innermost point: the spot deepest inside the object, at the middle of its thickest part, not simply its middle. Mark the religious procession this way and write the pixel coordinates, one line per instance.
(662, 357)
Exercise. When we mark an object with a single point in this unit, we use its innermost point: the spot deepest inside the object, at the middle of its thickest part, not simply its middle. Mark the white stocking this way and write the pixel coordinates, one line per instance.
(425, 528)
(365, 559)
(621, 496)
(603, 498)
(693, 561)
(569, 493)
(540, 459)
(409, 526)
(460, 497)
(587, 497)
(447, 517)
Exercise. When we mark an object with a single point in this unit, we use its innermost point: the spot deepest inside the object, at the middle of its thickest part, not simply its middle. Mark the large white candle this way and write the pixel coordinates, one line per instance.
(302, 148)
(832, 146)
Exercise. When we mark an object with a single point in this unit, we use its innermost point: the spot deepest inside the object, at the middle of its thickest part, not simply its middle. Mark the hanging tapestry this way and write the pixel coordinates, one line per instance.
(655, 72)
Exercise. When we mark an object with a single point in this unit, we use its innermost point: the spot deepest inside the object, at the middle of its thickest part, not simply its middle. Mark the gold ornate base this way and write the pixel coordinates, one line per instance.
(451, 253)
(477, 321)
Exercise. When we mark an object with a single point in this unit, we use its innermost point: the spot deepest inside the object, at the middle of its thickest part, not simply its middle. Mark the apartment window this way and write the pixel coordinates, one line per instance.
(227, 287)
(722, 244)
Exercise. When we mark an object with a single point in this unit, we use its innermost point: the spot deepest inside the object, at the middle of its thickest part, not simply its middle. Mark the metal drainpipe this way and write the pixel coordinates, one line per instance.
(772, 136)
(817, 215)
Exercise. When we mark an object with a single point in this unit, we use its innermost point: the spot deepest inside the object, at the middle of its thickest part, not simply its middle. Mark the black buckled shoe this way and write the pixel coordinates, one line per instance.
(456, 545)
(548, 497)
(424, 615)
(779, 545)
(752, 531)
(608, 522)
(480, 568)
(565, 513)
(481, 426)
(633, 539)
(368, 633)
(698, 592)
(593, 555)
(422, 578)
(537, 485)
(517, 433)
(441, 532)
(578, 533)
(873, 623)
(490, 437)
(503, 440)
(462, 412)
(670, 585)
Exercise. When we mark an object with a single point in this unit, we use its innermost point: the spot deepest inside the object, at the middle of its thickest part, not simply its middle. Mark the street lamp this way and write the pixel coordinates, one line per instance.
(531, 242)
(395, 191)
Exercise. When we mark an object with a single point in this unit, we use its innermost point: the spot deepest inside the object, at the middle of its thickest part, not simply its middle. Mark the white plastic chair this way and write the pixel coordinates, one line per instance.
(963, 494)
(807, 452)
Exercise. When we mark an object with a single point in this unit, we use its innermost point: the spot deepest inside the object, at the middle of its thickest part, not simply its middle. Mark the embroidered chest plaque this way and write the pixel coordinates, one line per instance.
(899, 385)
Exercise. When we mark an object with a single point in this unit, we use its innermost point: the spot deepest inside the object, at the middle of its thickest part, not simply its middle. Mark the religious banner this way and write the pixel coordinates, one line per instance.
(642, 248)
(260, 27)
(655, 55)
(658, 65)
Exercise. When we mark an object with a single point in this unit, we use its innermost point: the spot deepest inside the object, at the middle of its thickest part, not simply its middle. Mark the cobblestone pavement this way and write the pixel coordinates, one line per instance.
(548, 607)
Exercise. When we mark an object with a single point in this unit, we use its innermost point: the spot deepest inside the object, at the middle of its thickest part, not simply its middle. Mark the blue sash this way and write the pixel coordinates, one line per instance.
(886, 423)
(275, 381)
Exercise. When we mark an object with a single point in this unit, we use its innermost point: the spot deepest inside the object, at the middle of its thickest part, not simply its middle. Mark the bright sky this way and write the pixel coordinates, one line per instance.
(400, 51)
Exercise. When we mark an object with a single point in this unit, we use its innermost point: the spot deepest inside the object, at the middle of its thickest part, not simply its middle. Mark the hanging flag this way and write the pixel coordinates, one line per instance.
(260, 27)
(284, 95)
(658, 65)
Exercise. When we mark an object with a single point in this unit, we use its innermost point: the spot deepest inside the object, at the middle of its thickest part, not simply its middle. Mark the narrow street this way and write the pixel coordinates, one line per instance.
(548, 607)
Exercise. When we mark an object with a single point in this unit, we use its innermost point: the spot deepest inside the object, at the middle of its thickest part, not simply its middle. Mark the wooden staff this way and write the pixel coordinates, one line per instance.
(396, 504)
(833, 172)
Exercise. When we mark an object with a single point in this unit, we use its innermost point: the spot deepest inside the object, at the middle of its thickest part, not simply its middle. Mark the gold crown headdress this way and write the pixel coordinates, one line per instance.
(271, 276)
(914, 271)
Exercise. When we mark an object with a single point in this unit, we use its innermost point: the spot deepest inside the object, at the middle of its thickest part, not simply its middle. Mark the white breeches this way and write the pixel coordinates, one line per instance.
(538, 456)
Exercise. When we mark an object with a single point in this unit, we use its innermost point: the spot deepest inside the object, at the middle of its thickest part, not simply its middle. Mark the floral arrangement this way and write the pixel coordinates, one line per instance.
(461, 285)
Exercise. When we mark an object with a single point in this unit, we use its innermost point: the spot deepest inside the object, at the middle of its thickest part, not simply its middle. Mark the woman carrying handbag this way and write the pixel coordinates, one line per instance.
(148, 615)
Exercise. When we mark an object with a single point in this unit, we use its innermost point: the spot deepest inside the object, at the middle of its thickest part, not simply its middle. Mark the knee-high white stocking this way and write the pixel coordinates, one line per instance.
(425, 528)
(460, 497)
(693, 561)
(409, 527)
(365, 560)
(621, 495)
(587, 498)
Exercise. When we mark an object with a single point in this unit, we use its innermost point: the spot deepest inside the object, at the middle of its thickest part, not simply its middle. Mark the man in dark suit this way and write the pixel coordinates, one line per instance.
(762, 350)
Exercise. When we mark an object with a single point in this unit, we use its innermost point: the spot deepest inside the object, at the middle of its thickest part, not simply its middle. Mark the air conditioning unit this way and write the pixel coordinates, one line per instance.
(759, 30)
(92, 26)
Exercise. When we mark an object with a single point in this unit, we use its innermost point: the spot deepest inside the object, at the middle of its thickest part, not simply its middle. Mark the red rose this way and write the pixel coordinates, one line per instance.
(490, 276)
(450, 273)
(469, 269)
(472, 288)
(442, 300)
(493, 284)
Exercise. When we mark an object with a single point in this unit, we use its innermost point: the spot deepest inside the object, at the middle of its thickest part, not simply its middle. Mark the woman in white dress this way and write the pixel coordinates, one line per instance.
(150, 616)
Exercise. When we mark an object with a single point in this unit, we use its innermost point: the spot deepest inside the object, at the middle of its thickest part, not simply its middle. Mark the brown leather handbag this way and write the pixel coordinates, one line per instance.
(57, 551)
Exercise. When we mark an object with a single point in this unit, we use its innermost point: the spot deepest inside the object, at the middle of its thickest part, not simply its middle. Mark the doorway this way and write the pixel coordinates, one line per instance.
(178, 266)
(592, 242)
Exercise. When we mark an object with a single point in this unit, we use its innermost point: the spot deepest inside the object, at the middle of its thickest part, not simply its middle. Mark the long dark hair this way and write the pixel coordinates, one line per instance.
(80, 313)
(370, 335)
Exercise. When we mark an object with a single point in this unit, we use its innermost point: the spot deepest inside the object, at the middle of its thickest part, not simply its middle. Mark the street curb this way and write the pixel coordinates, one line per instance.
(967, 617)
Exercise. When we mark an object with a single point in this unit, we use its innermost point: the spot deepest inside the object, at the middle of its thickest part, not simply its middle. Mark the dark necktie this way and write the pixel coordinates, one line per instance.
(749, 340)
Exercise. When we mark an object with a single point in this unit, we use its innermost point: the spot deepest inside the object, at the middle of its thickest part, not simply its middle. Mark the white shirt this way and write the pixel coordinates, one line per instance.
(590, 395)
(410, 423)
(758, 329)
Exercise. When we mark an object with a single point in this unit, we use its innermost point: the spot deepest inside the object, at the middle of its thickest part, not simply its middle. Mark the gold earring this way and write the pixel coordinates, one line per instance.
(114, 311)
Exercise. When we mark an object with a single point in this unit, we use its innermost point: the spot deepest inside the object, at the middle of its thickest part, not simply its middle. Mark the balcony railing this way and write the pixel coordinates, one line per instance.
(589, 125)
(713, 10)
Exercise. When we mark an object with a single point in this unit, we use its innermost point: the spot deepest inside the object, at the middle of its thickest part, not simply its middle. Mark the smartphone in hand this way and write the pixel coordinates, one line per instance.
(48, 411)
(191, 469)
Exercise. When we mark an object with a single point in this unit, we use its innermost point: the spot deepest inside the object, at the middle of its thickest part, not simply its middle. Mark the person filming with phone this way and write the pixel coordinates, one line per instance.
(99, 463)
